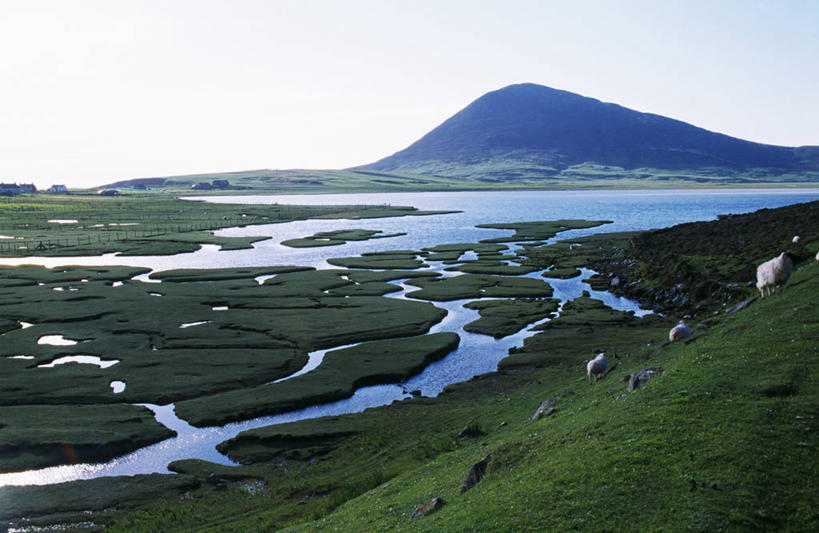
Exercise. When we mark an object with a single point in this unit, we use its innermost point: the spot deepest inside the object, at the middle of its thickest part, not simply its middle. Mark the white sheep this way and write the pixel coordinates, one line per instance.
(795, 239)
(817, 256)
(679, 332)
(772, 273)
(597, 366)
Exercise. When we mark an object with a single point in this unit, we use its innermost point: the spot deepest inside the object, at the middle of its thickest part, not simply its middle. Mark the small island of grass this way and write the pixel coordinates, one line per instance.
(338, 237)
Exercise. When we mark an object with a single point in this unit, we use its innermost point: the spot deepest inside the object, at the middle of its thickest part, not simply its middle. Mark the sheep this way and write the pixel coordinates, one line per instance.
(596, 367)
(795, 239)
(679, 332)
(817, 256)
(773, 272)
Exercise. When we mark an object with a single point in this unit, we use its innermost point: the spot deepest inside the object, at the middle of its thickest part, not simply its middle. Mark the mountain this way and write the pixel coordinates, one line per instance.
(529, 129)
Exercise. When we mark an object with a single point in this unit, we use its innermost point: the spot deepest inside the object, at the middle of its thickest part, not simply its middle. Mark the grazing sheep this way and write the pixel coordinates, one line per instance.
(679, 332)
(597, 366)
(773, 272)
(795, 239)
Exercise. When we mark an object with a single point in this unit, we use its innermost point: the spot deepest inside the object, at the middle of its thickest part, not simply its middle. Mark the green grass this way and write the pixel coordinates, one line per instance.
(340, 374)
(585, 328)
(396, 259)
(33, 436)
(337, 237)
(539, 230)
(263, 334)
(735, 411)
(500, 318)
(477, 286)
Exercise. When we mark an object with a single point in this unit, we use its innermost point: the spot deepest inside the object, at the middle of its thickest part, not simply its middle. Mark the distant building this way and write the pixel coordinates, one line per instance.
(220, 184)
(57, 189)
(109, 192)
(12, 189)
(202, 186)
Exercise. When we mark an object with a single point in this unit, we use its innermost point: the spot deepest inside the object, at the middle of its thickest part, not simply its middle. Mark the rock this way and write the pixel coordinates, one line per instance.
(428, 508)
(545, 409)
(642, 377)
(475, 474)
(216, 481)
(470, 431)
(740, 306)
(415, 393)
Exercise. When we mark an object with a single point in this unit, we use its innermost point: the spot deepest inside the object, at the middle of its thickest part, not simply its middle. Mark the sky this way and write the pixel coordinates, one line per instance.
(92, 92)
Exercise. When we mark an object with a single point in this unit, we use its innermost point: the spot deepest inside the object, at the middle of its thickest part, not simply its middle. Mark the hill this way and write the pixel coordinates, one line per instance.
(530, 130)
(534, 137)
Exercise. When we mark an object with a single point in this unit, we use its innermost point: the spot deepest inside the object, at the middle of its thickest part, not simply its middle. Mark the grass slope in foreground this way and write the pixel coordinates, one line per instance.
(725, 438)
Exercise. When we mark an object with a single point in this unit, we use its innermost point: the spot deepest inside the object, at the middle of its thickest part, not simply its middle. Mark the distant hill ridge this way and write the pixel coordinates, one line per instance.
(532, 136)
(538, 126)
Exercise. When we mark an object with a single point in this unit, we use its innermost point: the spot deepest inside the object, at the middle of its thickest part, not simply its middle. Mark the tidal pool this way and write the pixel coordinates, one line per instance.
(82, 359)
(192, 324)
(56, 340)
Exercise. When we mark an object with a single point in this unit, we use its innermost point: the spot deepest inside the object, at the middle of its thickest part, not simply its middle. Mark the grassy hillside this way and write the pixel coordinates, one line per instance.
(493, 173)
(724, 439)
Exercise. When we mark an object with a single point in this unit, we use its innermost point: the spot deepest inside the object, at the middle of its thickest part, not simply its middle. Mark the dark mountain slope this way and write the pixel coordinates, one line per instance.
(537, 125)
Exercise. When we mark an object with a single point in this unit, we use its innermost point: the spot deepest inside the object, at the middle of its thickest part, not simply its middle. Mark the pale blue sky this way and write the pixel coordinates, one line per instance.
(97, 91)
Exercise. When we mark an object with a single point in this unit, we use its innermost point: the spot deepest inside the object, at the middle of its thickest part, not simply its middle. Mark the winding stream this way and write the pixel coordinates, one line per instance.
(476, 354)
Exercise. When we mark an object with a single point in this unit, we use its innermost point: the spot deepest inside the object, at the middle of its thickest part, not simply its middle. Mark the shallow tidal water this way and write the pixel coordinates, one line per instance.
(477, 354)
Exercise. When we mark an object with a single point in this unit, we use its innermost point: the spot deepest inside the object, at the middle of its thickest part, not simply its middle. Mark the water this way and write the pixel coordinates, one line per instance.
(476, 354)
(81, 359)
(630, 210)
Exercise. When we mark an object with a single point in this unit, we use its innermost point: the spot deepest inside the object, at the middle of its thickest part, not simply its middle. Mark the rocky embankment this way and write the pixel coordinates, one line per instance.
(702, 267)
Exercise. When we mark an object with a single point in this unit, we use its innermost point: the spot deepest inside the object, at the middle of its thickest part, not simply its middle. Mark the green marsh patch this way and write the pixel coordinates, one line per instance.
(198, 334)
(539, 231)
(35, 436)
(500, 318)
(338, 237)
(585, 326)
(391, 260)
(475, 286)
(339, 375)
